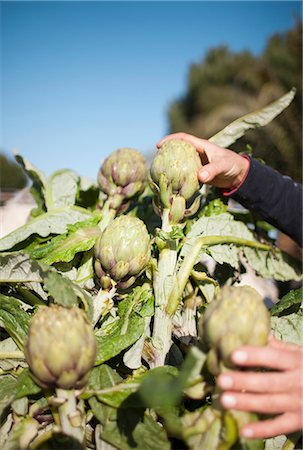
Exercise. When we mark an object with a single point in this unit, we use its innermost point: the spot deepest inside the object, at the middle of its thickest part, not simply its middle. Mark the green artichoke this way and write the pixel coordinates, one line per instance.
(123, 175)
(236, 317)
(122, 252)
(174, 175)
(61, 347)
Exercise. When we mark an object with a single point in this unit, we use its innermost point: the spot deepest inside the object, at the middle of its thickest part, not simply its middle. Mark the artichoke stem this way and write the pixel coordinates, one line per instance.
(190, 260)
(108, 214)
(166, 226)
(69, 414)
(163, 282)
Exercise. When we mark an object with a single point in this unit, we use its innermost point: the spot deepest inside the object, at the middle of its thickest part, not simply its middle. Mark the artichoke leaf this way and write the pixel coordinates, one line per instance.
(53, 222)
(293, 297)
(61, 189)
(14, 319)
(256, 119)
(288, 328)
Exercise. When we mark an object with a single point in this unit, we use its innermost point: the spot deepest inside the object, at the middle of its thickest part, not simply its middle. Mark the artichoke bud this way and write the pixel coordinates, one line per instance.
(124, 172)
(61, 347)
(122, 251)
(175, 171)
(236, 317)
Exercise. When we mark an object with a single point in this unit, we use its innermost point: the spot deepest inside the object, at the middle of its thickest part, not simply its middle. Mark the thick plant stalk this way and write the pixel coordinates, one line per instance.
(108, 214)
(70, 416)
(190, 260)
(164, 279)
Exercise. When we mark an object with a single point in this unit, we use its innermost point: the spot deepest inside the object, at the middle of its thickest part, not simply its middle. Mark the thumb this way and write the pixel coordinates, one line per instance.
(207, 173)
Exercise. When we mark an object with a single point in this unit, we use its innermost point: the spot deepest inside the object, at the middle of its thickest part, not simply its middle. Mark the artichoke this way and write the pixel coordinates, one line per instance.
(122, 252)
(61, 347)
(123, 175)
(236, 317)
(174, 175)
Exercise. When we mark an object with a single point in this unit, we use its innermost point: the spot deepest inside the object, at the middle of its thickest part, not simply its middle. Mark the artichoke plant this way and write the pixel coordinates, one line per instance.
(236, 317)
(174, 174)
(61, 347)
(123, 175)
(122, 252)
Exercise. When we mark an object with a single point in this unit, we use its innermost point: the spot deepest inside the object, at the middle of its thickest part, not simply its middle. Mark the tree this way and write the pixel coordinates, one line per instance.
(227, 85)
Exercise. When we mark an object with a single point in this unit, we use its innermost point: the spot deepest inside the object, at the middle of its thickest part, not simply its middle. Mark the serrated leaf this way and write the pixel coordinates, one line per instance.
(81, 240)
(17, 267)
(256, 119)
(12, 388)
(61, 189)
(65, 292)
(288, 328)
(7, 395)
(122, 335)
(290, 299)
(269, 264)
(38, 186)
(14, 319)
(272, 264)
(54, 222)
(8, 346)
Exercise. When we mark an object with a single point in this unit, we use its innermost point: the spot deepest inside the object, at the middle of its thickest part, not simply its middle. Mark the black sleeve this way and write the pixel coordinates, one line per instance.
(277, 198)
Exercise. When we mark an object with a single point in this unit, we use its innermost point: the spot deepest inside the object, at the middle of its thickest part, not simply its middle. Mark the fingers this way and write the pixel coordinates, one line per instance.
(270, 382)
(261, 403)
(208, 173)
(277, 343)
(195, 141)
(267, 356)
(283, 424)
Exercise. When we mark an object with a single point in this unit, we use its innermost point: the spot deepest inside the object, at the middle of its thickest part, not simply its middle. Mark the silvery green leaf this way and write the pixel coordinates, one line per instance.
(288, 328)
(275, 443)
(35, 174)
(272, 265)
(22, 433)
(133, 357)
(20, 406)
(9, 346)
(7, 394)
(5, 429)
(269, 264)
(256, 119)
(100, 444)
(54, 222)
(17, 267)
(61, 189)
(218, 225)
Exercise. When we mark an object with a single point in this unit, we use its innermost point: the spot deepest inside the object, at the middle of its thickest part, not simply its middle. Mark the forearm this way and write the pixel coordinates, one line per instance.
(277, 198)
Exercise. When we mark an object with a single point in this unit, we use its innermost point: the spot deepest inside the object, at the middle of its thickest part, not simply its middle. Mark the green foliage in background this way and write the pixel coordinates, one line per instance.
(226, 85)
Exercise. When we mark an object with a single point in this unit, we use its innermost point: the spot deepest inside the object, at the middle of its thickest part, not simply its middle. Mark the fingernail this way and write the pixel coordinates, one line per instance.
(239, 356)
(225, 381)
(247, 432)
(203, 175)
(228, 400)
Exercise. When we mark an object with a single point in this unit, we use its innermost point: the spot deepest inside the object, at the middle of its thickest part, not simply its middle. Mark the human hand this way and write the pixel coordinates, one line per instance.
(276, 392)
(222, 168)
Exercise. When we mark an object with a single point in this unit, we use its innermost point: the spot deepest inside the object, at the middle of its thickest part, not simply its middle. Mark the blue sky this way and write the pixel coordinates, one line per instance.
(81, 79)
